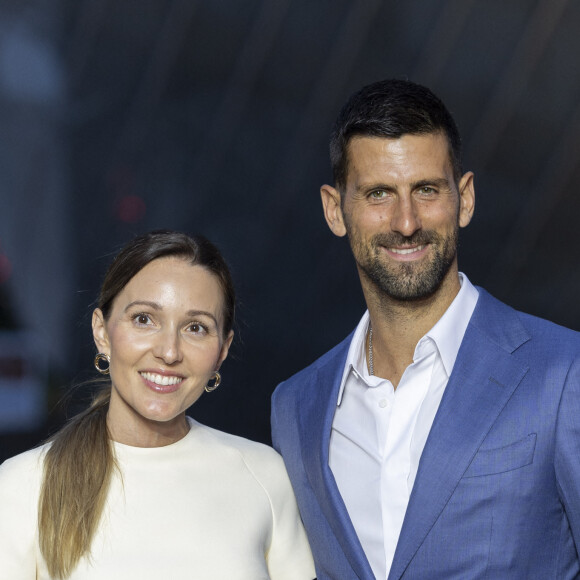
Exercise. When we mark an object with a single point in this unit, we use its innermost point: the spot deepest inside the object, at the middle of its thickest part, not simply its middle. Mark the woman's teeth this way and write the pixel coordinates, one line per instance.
(162, 380)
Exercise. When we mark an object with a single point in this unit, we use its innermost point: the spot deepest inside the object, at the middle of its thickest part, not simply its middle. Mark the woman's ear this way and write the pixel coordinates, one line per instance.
(225, 349)
(100, 335)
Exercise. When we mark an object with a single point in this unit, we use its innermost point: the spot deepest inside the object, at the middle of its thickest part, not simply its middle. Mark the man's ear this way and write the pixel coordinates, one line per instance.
(100, 335)
(331, 205)
(466, 199)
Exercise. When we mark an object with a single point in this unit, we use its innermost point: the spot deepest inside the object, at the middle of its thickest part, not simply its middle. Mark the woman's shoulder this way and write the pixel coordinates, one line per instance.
(22, 473)
(241, 444)
(264, 461)
(27, 461)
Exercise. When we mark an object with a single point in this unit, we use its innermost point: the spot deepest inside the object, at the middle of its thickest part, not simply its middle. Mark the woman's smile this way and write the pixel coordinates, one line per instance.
(162, 383)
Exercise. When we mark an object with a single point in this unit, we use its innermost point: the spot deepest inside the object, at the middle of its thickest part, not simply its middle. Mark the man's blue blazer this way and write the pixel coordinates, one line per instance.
(497, 494)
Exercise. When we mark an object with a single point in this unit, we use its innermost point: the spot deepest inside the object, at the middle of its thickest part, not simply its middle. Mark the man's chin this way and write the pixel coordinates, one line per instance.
(413, 294)
(407, 283)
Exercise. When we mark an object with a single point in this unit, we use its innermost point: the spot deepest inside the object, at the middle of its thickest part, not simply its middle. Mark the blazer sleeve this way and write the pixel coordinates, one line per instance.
(567, 452)
(19, 485)
(274, 424)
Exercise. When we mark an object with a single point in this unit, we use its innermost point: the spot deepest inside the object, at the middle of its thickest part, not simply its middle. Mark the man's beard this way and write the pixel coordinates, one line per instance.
(406, 281)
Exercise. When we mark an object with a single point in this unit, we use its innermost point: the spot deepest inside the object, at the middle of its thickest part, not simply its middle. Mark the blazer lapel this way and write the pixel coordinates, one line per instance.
(483, 379)
(318, 408)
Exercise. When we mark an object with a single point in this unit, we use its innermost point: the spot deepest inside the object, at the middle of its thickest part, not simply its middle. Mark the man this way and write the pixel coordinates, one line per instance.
(441, 439)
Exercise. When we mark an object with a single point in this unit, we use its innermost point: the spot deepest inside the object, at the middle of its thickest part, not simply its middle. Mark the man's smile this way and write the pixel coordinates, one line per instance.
(404, 251)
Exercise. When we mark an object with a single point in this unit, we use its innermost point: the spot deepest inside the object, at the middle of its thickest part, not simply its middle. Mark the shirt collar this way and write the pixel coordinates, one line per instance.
(447, 334)
(449, 330)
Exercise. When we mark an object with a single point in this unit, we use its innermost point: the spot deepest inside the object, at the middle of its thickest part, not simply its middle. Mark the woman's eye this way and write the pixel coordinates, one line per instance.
(141, 319)
(197, 328)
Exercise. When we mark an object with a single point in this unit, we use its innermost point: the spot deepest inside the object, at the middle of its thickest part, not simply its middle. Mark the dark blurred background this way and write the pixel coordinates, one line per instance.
(121, 116)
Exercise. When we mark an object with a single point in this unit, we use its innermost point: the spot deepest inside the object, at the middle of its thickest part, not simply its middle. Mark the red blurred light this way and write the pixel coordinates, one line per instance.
(130, 209)
(5, 268)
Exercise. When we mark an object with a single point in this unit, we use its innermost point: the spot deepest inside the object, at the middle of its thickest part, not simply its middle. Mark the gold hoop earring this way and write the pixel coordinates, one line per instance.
(217, 380)
(99, 359)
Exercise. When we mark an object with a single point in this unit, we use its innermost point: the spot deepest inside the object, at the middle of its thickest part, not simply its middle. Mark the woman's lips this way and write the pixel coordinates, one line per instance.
(161, 383)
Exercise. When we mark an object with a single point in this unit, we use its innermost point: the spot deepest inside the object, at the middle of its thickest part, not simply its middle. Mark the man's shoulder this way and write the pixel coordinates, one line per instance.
(334, 358)
(551, 341)
(538, 324)
(491, 312)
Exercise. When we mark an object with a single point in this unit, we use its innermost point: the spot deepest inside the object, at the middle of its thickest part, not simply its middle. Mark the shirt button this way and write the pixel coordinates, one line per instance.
(383, 403)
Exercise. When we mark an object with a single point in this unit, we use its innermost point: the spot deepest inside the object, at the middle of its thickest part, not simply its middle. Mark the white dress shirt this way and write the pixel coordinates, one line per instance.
(378, 433)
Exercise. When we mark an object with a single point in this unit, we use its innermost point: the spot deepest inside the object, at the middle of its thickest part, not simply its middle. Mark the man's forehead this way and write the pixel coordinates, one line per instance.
(371, 153)
(437, 139)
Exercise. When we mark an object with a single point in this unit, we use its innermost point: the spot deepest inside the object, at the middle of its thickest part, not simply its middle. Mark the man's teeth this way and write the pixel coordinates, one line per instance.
(161, 379)
(407, 250)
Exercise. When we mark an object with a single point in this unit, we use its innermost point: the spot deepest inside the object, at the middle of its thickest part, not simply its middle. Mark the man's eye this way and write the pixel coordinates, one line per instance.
(378, 194)
(427, 189)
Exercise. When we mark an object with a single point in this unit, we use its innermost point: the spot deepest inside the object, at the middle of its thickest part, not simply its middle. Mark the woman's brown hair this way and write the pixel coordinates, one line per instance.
(80, 461)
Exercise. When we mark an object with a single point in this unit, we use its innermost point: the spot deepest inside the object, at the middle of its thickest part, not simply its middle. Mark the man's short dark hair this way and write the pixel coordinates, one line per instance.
(391, 108)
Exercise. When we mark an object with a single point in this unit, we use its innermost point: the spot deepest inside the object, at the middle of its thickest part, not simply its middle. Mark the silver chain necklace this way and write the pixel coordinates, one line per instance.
(371, 366)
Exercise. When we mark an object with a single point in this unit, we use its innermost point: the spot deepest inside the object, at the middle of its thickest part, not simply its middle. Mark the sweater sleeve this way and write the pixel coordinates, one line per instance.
(19, 485)
(288, 555)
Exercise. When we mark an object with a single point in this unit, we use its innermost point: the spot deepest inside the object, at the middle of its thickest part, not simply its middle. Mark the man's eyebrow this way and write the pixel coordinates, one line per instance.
(374, 186)
(438, 182)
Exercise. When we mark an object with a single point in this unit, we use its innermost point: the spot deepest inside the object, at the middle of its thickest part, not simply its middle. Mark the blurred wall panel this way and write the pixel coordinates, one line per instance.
(35, 222)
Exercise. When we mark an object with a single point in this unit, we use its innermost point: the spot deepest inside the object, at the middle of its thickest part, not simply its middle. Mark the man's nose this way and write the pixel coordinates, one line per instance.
(405, 218)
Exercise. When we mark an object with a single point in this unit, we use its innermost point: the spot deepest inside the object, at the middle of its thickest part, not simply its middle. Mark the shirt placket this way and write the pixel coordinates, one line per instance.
(396, 458)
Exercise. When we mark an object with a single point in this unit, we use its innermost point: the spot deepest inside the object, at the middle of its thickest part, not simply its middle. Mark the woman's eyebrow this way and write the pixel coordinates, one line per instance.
(158, 307)
(153, 305)
(201, 313)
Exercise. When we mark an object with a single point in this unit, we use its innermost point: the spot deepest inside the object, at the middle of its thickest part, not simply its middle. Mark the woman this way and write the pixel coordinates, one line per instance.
(132, 488)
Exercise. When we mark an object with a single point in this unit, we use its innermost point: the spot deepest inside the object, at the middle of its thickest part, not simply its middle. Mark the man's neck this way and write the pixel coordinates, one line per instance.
(399, 325)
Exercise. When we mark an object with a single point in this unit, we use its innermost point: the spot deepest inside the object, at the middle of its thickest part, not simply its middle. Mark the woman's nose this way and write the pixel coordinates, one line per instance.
(168, 346)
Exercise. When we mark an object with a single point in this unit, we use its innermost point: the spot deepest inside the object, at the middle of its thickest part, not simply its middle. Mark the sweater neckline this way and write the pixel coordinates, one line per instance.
(125, 449)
